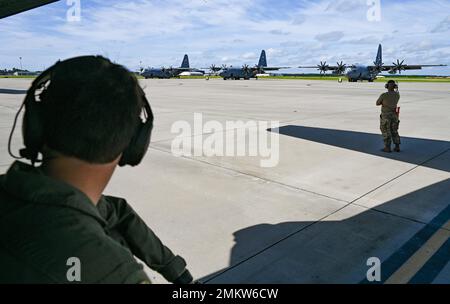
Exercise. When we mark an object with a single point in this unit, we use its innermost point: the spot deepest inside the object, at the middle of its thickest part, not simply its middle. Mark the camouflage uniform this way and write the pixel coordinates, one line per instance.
(389, 124)
(389, 120)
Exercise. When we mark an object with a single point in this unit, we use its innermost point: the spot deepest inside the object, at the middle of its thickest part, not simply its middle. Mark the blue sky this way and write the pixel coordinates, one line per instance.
(158, 32)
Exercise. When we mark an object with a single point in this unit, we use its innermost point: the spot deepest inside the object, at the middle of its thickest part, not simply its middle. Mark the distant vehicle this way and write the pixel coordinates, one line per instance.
(246, 72)
(367, 72)
(170, 72)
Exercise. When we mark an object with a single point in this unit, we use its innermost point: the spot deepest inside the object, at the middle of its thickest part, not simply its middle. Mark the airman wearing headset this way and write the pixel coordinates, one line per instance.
(389, 118)
(85, 116)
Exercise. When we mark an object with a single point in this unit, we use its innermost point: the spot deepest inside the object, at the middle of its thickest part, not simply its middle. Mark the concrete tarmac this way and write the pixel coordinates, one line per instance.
(332, 201)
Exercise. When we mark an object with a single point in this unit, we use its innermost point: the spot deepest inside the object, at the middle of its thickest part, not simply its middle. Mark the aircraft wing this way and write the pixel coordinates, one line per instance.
(412, 67)
(180, 70)
(273, 68)
(406, 67)
(328, 68)
(215, 69)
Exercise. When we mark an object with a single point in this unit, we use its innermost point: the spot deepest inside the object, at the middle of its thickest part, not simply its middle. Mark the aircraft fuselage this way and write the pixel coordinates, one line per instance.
(360, 72)
(159, 73)
(236, 73)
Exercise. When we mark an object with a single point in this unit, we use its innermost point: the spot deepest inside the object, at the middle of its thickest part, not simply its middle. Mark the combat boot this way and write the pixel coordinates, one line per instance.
(397, 148)
(387, 149)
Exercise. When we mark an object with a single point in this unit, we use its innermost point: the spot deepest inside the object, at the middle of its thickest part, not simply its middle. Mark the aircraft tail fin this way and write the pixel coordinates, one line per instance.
(379, 59)
(262, 59)
(185, 63)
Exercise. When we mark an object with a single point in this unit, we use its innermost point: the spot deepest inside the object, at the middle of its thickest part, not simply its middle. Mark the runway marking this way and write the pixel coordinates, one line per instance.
(407, 271)
(432, 269)
(413, 254)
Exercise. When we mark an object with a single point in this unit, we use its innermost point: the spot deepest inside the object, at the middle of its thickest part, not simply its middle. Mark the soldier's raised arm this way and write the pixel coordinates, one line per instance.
(380, 100)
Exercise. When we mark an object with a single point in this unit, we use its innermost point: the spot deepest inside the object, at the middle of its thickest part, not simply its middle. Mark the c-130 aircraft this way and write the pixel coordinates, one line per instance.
(368, 72)
(169, 72)
(246, 72)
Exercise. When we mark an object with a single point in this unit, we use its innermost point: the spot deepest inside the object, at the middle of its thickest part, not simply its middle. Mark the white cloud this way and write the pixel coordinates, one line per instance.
(443, 26)
(279, 32)
(249, 55)
(228, 31)
(345, 6)
(330, 36)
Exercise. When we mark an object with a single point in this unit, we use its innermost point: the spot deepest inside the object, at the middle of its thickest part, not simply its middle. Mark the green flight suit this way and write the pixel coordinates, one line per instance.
(45, 222)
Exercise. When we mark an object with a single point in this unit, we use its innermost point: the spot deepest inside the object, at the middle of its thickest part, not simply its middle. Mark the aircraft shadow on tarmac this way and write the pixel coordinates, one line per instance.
(337, 251)
(416, 151)
(12, 91)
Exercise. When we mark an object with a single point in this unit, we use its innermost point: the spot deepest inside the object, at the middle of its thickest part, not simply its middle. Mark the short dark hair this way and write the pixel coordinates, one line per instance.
(91, 109)
(391, 81)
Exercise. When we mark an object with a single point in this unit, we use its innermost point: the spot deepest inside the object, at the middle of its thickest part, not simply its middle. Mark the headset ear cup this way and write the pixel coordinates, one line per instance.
(138, 146)
(32, 129)
(32, 125)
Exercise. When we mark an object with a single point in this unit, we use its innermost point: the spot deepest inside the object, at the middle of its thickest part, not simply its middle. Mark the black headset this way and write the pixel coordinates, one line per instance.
(33, 129)
(391, 81)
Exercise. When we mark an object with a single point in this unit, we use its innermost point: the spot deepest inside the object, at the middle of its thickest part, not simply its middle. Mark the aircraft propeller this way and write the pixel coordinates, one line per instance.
(378, 67)
(399, 66)
(341, 67)
(214, 68)
(259, 69)
(246, 68)
(169, 69)
(323, 67)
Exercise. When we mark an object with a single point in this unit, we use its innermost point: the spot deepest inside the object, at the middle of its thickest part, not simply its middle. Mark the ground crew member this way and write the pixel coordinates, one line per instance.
(56, 226)
(389, 118)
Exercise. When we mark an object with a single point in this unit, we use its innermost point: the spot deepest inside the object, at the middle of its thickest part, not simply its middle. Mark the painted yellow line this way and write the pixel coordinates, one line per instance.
(407, 271)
